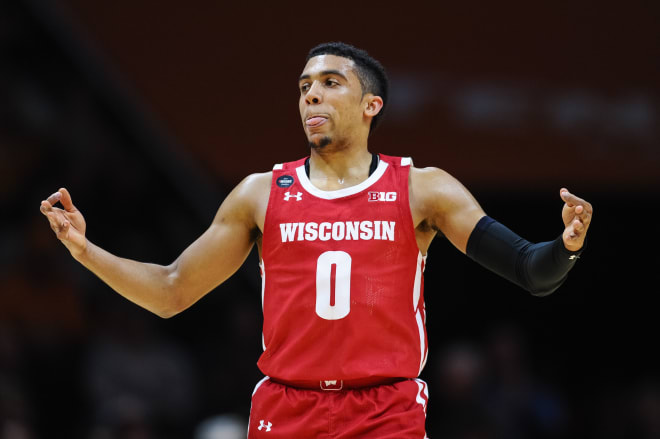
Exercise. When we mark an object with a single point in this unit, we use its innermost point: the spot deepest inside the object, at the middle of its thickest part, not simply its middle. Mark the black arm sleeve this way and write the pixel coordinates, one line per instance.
(539, 268)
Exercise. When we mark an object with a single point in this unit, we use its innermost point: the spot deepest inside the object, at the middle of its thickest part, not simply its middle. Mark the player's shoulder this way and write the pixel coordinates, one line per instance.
(430, 176)
(247, 199)
(431, 186)
(253, 187)
(257, 180)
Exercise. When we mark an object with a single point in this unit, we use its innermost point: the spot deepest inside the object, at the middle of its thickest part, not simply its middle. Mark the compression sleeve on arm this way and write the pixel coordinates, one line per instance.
(539, 268)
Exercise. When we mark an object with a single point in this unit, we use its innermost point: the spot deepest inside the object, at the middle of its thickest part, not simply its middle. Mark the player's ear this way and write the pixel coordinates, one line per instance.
(372, 105)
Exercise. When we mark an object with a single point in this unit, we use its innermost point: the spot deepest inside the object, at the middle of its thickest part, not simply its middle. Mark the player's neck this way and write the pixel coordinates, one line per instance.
(332, 170)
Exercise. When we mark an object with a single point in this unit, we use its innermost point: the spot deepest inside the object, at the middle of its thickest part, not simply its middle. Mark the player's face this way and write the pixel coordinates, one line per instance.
(331, 100)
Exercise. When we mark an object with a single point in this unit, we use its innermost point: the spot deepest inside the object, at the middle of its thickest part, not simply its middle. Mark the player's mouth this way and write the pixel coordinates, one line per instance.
(315, 121)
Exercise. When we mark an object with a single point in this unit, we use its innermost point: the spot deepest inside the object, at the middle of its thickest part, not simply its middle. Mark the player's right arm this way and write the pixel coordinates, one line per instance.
(169, 289)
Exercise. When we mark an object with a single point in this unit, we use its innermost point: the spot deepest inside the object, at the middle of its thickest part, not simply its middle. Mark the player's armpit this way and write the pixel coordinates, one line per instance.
(442, 202)
(224, 246)
(539, 268)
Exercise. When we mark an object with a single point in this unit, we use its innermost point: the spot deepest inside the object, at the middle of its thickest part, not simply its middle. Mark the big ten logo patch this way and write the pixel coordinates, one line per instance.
(382, 196)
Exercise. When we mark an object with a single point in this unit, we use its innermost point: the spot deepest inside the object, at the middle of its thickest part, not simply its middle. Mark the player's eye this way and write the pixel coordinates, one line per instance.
(331, 82)
(304, 88)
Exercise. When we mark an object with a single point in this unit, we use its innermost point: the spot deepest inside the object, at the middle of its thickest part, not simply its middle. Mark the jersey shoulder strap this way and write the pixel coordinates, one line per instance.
(289, 166)
(396, 161)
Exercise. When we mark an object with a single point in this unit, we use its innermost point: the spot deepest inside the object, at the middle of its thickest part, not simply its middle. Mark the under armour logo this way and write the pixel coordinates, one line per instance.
(288, 195)
(573, 257)
(266, 426)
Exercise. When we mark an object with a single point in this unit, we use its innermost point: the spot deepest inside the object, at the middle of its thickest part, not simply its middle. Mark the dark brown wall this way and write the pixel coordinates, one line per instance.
(508, 94)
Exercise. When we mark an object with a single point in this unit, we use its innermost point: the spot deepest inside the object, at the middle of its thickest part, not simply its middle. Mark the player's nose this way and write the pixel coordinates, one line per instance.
(314, 94)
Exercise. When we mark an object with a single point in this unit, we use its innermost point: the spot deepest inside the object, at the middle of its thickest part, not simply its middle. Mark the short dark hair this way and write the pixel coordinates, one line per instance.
(370, 72)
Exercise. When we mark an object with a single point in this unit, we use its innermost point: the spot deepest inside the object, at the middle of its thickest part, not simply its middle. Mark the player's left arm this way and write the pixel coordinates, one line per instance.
(540, 268)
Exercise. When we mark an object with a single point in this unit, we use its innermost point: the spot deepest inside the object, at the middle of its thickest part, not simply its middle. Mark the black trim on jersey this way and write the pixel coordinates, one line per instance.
(539, 268)
(372, 168)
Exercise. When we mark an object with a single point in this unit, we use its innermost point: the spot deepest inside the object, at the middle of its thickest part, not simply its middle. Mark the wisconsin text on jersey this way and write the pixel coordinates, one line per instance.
(338, 231)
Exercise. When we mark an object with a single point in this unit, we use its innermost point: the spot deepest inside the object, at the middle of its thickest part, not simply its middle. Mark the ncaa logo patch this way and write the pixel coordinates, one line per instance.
(284, 181)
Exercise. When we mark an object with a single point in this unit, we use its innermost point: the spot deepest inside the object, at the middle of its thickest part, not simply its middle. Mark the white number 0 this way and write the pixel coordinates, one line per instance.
(341, 308)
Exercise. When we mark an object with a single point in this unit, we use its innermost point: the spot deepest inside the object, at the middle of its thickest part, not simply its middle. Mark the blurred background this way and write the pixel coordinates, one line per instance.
(150, 112)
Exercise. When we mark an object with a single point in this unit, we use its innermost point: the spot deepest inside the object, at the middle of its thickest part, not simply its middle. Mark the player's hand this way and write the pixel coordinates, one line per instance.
(577, 215)
(67, 223)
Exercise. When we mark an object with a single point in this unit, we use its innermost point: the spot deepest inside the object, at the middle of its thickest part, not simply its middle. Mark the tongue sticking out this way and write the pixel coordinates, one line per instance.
(315, 121)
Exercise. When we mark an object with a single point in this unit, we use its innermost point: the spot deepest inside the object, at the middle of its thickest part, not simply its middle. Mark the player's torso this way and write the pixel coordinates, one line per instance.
(342, 278)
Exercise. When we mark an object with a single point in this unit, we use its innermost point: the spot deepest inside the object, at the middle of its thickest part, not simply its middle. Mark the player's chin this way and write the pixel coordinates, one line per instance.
(319, 141)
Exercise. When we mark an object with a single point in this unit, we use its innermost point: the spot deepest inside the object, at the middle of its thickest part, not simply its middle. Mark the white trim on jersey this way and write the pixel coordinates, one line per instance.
(423, 389)
(333, 195)
(426, 354)
(422, 397)
(263, 380)
(263, 288)
(263, 282)
(406, 161)
(417, 289)
(426, 357)
(422, 344)
(417, 292)
(278, 166)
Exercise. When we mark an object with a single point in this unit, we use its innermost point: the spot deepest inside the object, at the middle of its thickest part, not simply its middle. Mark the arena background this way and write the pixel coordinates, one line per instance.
(150, 112)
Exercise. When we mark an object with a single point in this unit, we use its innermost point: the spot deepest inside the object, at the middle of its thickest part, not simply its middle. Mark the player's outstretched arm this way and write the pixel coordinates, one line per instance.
(168, 289)
(539, 268)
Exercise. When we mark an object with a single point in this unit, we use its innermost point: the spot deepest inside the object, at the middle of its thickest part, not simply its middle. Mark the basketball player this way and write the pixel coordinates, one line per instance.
(342, 238)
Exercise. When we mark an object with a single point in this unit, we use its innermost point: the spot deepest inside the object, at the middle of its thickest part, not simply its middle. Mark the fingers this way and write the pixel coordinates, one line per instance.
(573, 200)
(581, 208)
(578, 228)
(58, 222)
(577, 215)
(569, 198)
(67, 223)
(45, 207)
(47, 204)
(53, 214)
(65, 199)
(55, 220)
(573, 240)
(64, 230)
(54, 198)
(62, 196)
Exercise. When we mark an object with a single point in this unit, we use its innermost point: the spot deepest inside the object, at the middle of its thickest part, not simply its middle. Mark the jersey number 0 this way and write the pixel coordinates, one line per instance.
(342, 288)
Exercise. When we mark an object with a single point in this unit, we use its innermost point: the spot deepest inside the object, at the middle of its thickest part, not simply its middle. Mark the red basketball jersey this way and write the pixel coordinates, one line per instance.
(342, 284)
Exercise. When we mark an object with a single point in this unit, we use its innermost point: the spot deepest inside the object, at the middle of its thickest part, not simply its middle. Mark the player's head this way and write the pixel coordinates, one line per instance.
(370, 72)
(345, 81)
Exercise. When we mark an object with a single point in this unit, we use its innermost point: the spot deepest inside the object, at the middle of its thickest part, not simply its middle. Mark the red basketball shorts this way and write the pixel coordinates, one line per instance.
(389, 411)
